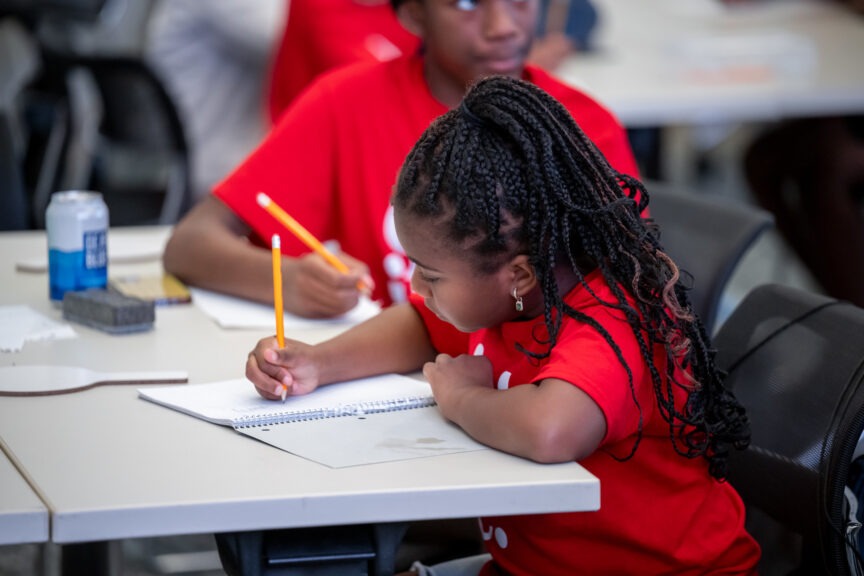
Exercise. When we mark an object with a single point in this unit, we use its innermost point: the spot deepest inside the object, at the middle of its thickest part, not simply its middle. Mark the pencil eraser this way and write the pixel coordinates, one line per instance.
(109, 311)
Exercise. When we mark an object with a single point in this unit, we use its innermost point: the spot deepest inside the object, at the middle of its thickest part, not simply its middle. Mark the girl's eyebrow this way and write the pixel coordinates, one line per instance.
(421, 265)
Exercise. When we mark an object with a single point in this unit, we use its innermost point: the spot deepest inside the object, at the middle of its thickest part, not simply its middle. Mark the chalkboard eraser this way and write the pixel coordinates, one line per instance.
(108, 311)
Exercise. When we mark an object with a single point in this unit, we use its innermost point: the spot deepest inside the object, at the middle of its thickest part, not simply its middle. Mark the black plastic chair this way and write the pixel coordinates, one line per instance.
(19, 64)
(96, 116)
(707, 237)
(125, 139)
(367, 550)
(796, 361)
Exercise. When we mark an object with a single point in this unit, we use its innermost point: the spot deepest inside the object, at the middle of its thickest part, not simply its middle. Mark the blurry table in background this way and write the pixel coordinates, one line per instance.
(677, 64)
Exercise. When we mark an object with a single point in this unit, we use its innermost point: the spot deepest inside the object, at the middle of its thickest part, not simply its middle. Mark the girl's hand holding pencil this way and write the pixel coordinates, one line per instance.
(281, 371)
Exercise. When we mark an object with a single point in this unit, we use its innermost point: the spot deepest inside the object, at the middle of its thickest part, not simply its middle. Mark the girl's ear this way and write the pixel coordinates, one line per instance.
(412, 16)
(523, 275)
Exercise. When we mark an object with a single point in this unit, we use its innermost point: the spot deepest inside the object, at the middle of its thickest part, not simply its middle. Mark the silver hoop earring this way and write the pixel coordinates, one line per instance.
(518, 299)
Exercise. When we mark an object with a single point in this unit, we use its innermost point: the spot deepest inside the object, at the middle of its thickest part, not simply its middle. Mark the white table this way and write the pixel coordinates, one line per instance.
(112, 466)
(677, 64)
(670, 62)
(23, 516)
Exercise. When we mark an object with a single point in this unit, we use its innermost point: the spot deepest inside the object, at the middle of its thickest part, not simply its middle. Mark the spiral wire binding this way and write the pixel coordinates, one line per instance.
(355, 409)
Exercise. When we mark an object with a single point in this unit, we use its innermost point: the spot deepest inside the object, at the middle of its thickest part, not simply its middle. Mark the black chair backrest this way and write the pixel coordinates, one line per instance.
(796, 361)
(19, 63)
(707, 237)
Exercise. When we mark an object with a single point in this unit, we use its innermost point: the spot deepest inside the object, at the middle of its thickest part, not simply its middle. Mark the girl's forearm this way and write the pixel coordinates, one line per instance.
(393, 341)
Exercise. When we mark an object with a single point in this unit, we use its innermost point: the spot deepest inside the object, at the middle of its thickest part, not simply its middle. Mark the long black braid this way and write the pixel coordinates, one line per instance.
(509, 171)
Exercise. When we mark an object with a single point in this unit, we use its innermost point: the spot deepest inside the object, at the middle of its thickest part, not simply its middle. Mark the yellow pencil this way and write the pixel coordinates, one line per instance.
(300, 232)
(276, 244)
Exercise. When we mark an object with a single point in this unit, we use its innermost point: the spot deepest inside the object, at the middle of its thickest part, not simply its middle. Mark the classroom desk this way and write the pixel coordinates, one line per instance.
(23, 516)
(678, 64)
(111, 466)
(691, 61)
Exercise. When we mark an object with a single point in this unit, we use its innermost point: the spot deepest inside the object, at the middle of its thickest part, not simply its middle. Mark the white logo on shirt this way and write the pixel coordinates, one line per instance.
(396, 265)
(498, 532)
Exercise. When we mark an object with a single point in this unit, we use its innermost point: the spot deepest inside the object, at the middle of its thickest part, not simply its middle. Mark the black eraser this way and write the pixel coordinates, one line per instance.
(109, 311)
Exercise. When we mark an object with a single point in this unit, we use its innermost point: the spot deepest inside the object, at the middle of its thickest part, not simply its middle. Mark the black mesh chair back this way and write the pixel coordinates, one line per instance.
(707, 237)
(796, 361)
(19, 63)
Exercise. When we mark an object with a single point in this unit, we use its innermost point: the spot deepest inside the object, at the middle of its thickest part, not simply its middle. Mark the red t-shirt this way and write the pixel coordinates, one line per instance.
(332, 160)
(660, 513)
(325, 34)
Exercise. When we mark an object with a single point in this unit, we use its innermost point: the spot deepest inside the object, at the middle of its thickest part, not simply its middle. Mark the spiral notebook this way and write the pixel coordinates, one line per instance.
(378, 419)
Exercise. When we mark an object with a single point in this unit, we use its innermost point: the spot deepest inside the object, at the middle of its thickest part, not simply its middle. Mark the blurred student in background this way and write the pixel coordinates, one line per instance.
(332, 160)
(320, 35)
(564, 27)
(214, 58)
(323, 34)
(809, 172)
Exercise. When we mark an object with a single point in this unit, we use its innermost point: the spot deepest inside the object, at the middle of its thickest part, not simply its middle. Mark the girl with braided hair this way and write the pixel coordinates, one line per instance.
(551, 325)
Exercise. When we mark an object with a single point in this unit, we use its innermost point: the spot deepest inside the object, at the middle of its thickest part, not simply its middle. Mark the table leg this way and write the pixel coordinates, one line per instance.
(88, 559)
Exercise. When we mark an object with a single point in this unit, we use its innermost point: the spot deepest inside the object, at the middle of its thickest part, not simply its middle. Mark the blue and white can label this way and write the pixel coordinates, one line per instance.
(77, 227)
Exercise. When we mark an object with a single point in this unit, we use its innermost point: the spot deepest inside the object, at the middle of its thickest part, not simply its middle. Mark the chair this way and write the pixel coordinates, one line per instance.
(707, 237)
(19, 63)
(140, 161)
(329, 551)
(124, 139)
(795, 360)
(98, 117)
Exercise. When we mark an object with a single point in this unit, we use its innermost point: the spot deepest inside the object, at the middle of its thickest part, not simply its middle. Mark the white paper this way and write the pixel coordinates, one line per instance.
(20, 324)
(359, 440)
(351, 428)
(231, 401)
(231, 312)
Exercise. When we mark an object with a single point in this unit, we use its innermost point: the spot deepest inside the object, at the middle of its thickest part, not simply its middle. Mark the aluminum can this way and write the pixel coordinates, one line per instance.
(77, 226)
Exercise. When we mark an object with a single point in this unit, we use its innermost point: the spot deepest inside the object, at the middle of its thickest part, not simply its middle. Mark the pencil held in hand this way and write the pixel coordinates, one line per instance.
(300, 232)
(276, 243)
(304, 236)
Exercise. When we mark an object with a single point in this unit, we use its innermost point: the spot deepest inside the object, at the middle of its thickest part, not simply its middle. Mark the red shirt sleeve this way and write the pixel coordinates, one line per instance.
(290, 167)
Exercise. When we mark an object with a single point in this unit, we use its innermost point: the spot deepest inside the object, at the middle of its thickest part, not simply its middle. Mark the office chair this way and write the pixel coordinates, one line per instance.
(141, 161)
(19, 64)
(795, 360)
(707, 237)
(124, 138)
(100, 118)
(368, 550)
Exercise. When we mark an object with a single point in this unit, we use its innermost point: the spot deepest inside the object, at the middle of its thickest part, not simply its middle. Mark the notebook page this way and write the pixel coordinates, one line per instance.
(233, 402)
(360, 440)
(236, 313)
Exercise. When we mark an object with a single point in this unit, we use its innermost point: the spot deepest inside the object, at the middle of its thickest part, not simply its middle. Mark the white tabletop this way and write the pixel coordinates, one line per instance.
(23, 517)
(112, 466)
(669, 62)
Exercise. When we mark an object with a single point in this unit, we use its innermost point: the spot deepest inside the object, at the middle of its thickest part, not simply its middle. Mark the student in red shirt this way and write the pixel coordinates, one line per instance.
(332, 160)
(551, 325)
(324, 34)
(320, 35)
